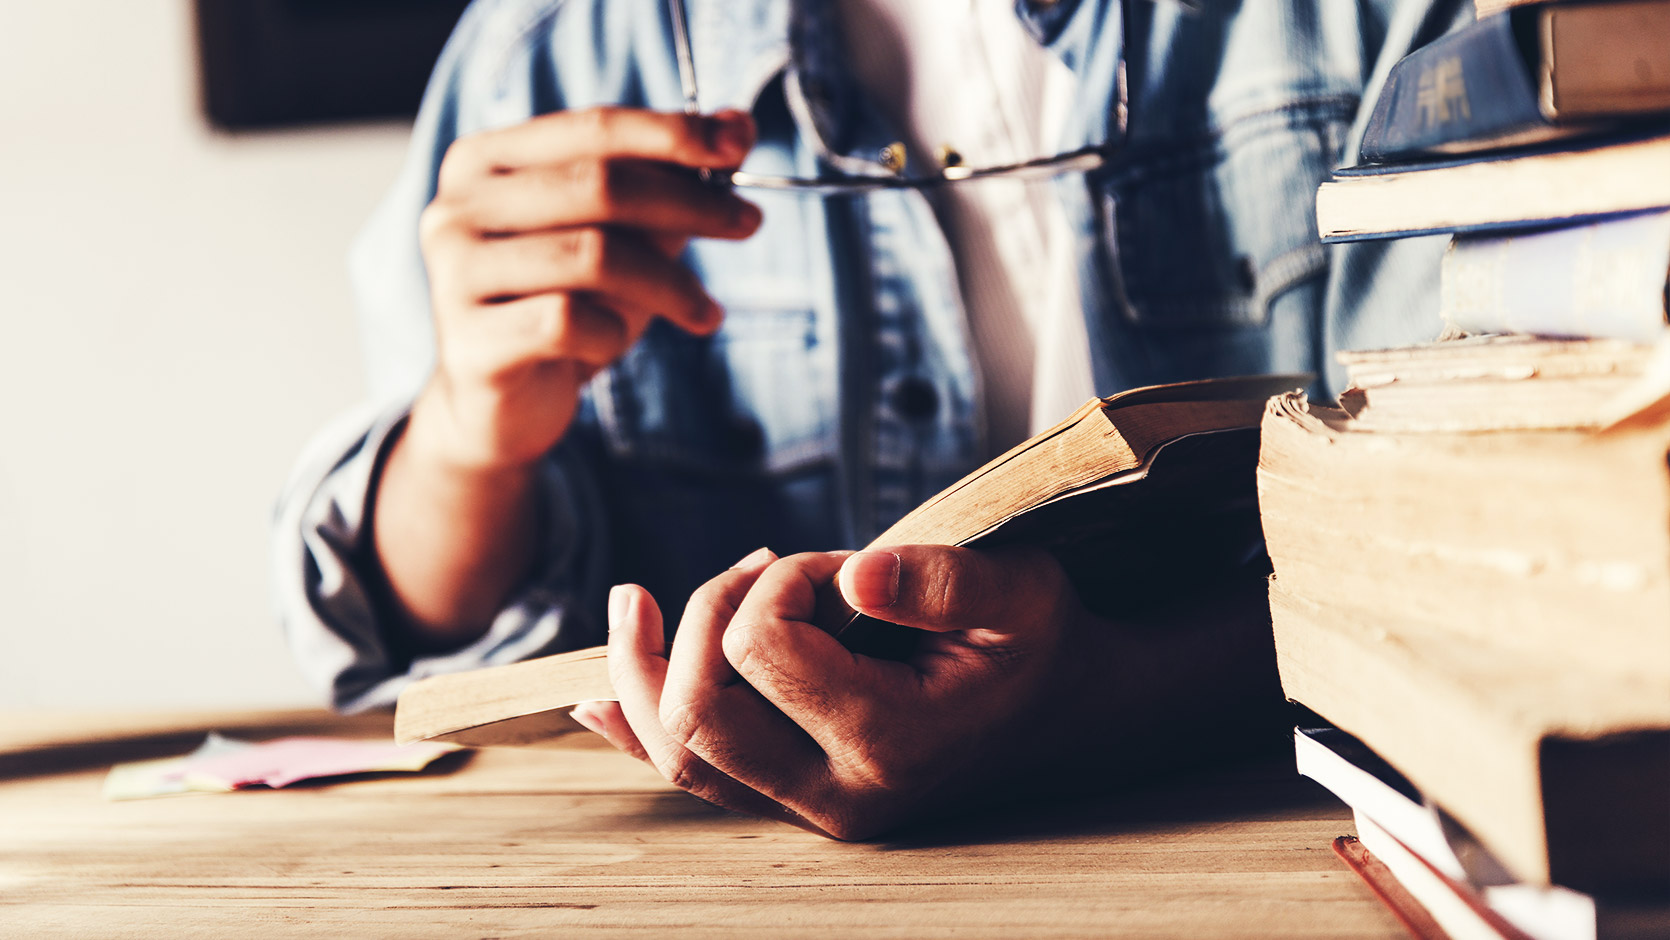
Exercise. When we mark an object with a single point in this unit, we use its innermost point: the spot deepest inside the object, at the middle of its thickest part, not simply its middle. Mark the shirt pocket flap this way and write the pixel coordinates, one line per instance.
(1208, 232)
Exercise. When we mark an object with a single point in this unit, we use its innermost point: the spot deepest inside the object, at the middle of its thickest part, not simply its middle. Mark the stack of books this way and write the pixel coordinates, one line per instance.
(1540, 138)
(1472, 552)
(1481, 595)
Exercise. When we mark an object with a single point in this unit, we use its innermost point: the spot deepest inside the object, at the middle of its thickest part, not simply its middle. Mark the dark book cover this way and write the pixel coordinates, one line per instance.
(1474, 85)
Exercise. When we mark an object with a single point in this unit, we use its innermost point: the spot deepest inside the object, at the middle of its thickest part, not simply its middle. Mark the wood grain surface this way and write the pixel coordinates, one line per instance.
(582, 841)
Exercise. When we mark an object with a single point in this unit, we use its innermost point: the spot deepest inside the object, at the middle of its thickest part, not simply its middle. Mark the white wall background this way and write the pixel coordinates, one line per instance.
(174, 322)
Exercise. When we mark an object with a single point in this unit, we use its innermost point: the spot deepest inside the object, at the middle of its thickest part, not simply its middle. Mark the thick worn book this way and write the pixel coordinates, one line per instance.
(1539, 73)
(1507, 535)
(1546, 187)
(1487, 609)
(1513, 382)
(1561, 773)
(1602, 279)
(1153, 469)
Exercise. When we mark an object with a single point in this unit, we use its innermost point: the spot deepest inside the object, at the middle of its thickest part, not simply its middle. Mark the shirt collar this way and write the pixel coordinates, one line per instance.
(741, 46)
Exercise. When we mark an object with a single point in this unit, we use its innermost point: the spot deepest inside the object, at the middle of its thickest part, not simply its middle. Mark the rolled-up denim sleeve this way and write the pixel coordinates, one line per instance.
(328, 584)
(326, 578)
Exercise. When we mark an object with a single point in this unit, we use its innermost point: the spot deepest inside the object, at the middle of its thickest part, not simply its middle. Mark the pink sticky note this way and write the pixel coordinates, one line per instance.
(284, 761)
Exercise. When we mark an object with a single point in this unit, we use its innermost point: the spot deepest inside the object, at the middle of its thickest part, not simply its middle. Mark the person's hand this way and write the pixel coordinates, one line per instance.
(550, 246)
(758, 710)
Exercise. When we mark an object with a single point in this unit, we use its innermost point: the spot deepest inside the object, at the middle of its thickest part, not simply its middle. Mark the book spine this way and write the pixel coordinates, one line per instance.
(1603, 280)
(1474, 85)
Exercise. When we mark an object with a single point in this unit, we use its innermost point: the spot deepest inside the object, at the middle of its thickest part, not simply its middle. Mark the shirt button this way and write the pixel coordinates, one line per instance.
(914, 398)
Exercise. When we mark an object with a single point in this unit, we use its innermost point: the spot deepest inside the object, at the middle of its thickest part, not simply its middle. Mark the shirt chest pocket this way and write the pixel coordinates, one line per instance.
(1214, 230)
(756, 398)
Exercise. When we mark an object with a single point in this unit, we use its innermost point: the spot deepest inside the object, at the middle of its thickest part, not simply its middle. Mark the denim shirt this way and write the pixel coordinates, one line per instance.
(842, 391)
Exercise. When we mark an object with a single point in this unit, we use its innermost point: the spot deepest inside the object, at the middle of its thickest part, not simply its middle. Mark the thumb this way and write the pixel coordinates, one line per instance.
(943, 588)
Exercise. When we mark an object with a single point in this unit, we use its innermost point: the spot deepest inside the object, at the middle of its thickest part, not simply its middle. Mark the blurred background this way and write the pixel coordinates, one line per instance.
(175, 321)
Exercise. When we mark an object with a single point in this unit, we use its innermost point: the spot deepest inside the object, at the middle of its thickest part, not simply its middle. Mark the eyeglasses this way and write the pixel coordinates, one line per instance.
(1082, 160)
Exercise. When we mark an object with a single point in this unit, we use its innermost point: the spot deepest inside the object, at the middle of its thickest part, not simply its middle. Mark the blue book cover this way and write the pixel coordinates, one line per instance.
(1635, 132)
(1604, 279)
(1474, 85)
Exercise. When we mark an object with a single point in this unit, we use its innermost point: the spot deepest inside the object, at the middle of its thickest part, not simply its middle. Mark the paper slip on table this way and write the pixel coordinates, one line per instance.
(583, 841)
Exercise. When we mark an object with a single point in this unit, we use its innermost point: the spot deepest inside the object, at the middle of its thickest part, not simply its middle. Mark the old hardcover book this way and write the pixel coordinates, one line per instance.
(1547, 542)
(1487, 610)
(1500, 191)
(1508, 382)
(1603, 279)
(1534, 75)
(1151, 468)
(1561, 773)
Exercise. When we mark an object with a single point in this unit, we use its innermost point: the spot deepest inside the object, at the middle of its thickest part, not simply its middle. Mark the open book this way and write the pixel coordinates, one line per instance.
(1167, 457)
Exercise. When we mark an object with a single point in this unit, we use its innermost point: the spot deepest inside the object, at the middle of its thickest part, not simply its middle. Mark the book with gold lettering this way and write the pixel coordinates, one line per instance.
(1538, 73)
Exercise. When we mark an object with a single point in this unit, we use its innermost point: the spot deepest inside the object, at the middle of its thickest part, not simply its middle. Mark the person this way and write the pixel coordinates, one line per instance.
(594, 364)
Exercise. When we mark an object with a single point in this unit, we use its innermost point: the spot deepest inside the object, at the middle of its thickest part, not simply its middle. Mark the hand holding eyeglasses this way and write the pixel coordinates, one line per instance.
(550, 246)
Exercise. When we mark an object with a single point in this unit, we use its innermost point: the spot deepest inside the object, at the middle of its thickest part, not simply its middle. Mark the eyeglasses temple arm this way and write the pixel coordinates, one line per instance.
(686, 59)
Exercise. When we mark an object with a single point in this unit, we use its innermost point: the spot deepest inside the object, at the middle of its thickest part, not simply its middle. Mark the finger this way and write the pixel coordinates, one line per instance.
(604, 191)
(941, 587)
(606, 720)
(638, 670)
(617, 265)
(713, 604)
(706, 707)
(670, 245)
(502, 338)
(714, 141)
(826, 690)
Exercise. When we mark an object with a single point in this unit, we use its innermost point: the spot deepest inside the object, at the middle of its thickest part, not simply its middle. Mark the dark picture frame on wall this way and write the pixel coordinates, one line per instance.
(283, 63)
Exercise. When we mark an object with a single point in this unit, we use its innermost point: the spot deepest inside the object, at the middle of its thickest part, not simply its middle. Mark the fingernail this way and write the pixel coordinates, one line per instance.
(757, 558)
(731, 135)
(620, 604)
(871, 579)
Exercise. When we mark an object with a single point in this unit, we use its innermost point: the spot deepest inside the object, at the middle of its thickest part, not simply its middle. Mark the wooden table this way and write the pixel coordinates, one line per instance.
(579, 841)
